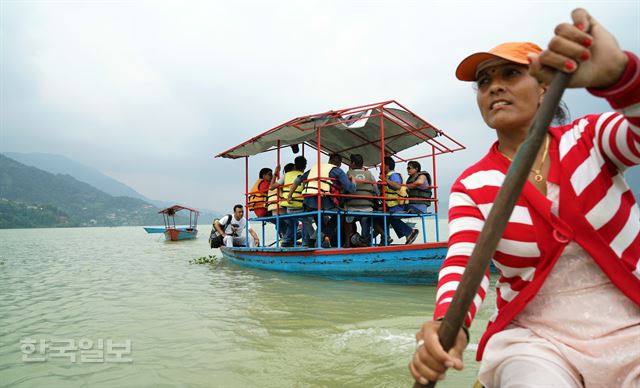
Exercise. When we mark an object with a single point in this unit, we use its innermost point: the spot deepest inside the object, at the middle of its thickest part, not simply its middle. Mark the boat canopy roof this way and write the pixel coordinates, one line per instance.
(171, 210)
(352, 130)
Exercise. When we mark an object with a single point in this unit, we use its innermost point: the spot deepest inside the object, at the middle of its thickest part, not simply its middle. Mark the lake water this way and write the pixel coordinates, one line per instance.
(132, 311)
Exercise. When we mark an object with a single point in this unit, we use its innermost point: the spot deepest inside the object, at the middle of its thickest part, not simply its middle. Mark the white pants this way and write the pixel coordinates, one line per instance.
(230, 241)
(533, 372)
(518, 358)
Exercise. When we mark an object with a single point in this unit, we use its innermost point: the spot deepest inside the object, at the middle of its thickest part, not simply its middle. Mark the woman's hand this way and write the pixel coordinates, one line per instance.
(584, 48)
(430, 361)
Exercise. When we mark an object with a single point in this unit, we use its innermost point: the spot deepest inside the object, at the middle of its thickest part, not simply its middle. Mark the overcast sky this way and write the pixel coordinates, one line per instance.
(149, 91)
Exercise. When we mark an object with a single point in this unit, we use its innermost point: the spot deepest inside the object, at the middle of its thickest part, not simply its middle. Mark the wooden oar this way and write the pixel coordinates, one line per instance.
(499, 216)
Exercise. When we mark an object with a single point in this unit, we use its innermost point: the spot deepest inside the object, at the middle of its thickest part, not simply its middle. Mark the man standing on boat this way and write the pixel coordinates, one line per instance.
(234, 232)
(338, 182)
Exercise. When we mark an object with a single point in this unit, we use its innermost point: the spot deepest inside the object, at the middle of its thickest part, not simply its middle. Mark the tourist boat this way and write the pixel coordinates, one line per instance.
(174, 233)
(374, 131)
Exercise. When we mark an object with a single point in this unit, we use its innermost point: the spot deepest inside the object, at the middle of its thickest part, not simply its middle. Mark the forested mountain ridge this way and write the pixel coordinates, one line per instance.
(62, 165)
(30, 197)
(58, 164)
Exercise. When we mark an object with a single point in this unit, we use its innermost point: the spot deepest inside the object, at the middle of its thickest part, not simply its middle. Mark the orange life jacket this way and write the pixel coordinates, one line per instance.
(257, 198)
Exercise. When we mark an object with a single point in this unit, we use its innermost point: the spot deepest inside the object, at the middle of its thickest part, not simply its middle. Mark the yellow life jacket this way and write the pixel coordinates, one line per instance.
(311, 186)
(273, 196)
(296, 199)
(392, 196)
(257, 199)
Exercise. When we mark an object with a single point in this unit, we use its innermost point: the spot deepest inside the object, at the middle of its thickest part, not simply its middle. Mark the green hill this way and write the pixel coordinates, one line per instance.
(19, 215)
(34, 198)
(58, 164)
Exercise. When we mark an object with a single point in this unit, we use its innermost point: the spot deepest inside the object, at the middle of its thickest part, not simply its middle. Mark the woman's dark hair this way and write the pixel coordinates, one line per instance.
(561, 115)
(264, 172)
(416, 165)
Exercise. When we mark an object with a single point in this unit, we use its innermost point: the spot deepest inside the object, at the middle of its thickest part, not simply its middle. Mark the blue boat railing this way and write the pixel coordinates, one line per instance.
(318, 214)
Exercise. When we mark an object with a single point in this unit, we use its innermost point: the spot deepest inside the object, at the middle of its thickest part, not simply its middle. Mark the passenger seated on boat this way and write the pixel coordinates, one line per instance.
(258, 194)
(365, 187)
(338, 183)
(394, 183)
(295, 205)
(275, 196)
(419, 189)
(234, 232)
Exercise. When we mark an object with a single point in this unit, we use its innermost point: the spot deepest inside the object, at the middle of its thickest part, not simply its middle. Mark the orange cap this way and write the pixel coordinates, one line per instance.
(510, 51)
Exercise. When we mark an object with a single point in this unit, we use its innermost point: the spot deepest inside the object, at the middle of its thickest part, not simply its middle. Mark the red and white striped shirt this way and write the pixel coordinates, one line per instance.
(597, 210)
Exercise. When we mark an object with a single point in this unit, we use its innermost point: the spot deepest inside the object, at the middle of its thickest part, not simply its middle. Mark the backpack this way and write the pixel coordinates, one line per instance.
(215, 239)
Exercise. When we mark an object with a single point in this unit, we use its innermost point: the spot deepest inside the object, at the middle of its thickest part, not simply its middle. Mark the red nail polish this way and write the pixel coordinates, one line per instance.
(585, 55)
(587, 42)
(569, 65)
(529, 60)
(580, 26)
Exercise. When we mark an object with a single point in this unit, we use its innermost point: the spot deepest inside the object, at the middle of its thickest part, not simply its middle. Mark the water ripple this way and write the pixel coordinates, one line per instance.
(195, 325)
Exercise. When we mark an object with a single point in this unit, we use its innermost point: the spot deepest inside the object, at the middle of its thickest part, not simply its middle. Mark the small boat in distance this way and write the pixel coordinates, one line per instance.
(152, 230)
(171, 231)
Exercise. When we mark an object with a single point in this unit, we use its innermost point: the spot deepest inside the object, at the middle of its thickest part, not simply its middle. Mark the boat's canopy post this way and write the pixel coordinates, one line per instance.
(434, 182)
(319, 214)
(246, 205)
(383, 175)
(434, 185)
(339, 235)
(281, 169)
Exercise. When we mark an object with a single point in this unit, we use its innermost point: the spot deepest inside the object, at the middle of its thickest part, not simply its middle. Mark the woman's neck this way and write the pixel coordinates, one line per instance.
(509, 141)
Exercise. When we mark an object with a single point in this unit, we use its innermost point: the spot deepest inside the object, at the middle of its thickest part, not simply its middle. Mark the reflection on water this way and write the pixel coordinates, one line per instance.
(197, 325)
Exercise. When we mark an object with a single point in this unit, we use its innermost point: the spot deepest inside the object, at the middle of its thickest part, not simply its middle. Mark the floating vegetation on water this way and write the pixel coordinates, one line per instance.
(204, 260)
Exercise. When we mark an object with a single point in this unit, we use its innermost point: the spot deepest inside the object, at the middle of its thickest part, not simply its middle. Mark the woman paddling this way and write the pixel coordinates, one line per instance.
(568, 295)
